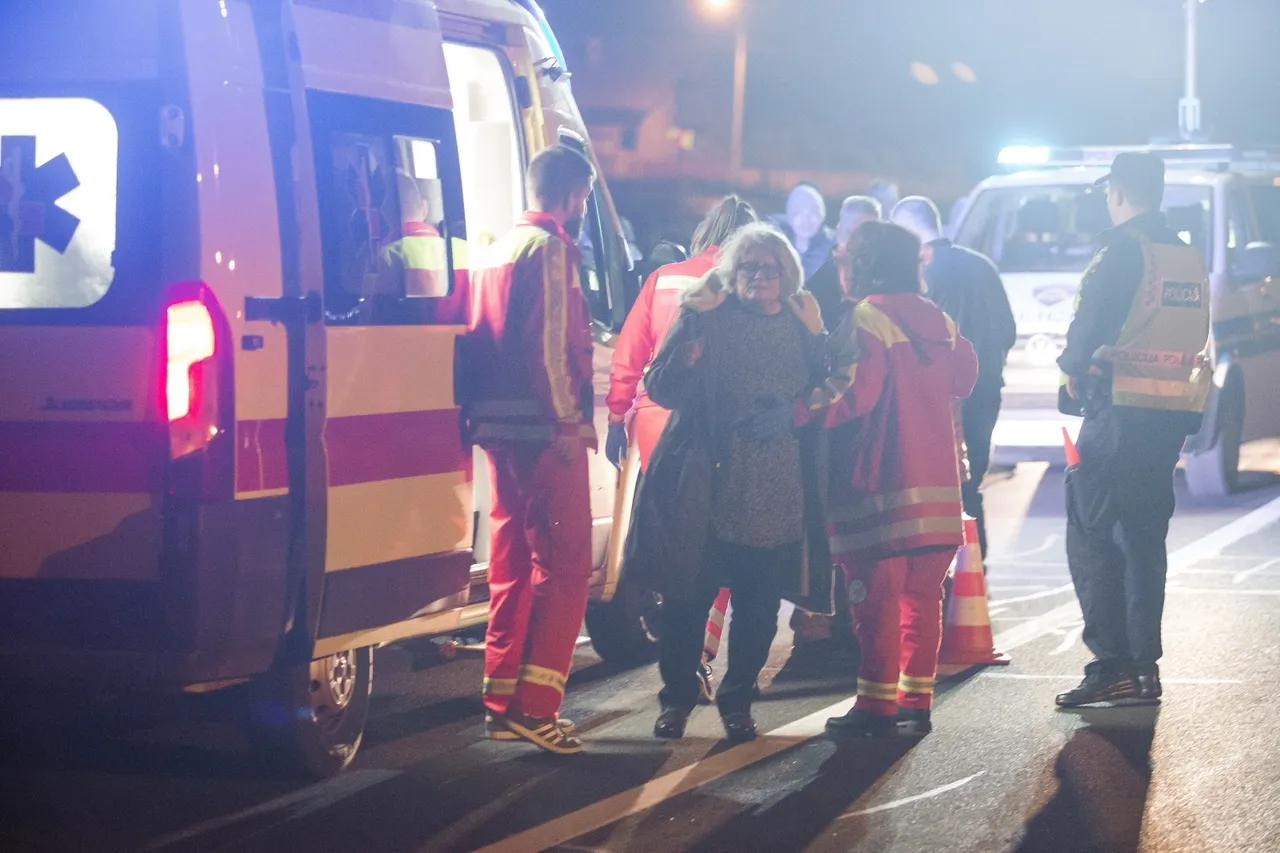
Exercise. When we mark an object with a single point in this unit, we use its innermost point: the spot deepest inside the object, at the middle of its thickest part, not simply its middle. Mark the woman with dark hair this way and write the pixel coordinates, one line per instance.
(632, 414)
(717, 507)
(893, 504)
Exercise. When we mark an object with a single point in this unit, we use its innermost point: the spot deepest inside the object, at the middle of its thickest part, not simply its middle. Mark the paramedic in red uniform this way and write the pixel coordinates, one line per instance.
(529, 396)
(894, 505)
(631, 412)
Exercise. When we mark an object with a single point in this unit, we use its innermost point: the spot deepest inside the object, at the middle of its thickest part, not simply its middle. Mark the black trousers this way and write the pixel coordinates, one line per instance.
(979, 414)
(1119, 502)
(755, 579)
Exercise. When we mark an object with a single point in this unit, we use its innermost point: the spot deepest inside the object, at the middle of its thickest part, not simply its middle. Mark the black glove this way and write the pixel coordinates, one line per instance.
(615, 445)
(769, 425)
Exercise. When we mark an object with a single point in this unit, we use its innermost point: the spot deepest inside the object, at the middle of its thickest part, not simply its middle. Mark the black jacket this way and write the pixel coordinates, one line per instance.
(1107, 292)
(825, 287)
(967, 286)
(668, 544)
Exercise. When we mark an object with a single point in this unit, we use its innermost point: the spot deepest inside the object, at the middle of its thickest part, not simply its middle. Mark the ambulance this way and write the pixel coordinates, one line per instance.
(234, 247)
(1039, 222)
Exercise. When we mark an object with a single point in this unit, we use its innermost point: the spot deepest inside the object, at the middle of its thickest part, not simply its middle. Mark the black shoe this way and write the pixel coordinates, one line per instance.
(1149, 689)
(738, 726)
(671, 723)
(859, 723)
(914, 722)
(704, 684)
(1098, 687)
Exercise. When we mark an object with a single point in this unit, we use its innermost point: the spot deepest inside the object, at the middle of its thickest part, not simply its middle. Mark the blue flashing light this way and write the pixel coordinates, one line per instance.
(532, 7)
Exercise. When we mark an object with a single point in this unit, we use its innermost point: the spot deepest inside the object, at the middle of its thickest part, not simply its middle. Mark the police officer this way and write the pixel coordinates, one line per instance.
(1134, 366)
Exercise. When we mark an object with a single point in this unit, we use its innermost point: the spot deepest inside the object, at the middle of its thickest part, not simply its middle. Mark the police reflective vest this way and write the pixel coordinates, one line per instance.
(1159, 359)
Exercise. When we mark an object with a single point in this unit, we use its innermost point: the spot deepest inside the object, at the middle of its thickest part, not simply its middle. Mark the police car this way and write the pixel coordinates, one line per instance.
(1039, 222)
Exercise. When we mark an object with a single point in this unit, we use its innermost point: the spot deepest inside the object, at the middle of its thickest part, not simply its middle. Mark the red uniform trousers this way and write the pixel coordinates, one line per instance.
(647, 423)
(539, 571)
(899, 628)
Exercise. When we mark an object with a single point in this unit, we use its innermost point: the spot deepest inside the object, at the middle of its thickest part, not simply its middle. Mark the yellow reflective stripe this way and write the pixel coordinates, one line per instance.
(916, 684)
(1152, 387)
(543, 677)
(893, 500)
(505, 408)
(529, 432)
(555, 322)
(500, 686)
(874, 321)
(885, 691)
(461, 254)
(953, 331)
(844, 543)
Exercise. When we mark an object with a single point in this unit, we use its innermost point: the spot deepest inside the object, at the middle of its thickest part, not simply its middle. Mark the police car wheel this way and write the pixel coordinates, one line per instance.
(1215, 472)
(309, 720)
(626, 629)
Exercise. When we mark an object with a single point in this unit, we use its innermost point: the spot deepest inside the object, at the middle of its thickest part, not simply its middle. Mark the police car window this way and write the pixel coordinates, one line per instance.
(58, 202)
(1266, 209)
(1053, 229)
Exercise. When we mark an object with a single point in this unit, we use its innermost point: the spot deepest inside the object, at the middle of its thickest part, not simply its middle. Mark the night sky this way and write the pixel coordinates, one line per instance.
(829, 85)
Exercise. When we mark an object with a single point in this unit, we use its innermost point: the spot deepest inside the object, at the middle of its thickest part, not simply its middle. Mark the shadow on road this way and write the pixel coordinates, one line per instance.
(806, 814)
(1102, 774)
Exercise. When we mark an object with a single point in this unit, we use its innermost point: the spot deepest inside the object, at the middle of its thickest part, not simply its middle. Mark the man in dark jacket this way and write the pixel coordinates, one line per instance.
(804, 225)
(967, 286)
(825, 283)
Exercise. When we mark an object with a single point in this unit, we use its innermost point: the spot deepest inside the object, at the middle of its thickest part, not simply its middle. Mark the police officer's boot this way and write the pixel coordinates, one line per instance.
(1149, 689)
(1099, 685)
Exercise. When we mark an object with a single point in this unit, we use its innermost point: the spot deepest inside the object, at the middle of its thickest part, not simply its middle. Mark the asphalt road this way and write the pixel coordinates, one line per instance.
(1003, 771)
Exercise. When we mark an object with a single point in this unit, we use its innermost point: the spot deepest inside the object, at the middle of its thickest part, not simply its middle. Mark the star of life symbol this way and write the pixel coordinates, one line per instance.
(28, 204)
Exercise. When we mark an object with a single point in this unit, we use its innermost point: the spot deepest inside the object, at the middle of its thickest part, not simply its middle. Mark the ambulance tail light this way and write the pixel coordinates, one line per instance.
(189, 340)
(196, 389)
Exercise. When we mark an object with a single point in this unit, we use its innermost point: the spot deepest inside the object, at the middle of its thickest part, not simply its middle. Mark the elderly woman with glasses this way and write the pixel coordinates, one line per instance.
(718, 507)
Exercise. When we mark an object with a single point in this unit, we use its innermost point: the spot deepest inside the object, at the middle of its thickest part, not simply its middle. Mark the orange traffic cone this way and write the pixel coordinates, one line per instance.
(966, 630)
(1069, 447)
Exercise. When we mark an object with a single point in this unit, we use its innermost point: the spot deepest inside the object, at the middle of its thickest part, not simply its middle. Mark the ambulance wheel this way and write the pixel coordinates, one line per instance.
(1215, 471)
(309, 720)
(626, 629)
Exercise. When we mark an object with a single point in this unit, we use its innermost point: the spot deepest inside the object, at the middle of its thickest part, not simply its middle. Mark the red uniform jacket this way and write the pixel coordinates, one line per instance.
(526, 359)
(899, 364)
(642, 335)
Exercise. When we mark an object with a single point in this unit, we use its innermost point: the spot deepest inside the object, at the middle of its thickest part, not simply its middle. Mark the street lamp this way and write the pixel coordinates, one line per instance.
(720, 9)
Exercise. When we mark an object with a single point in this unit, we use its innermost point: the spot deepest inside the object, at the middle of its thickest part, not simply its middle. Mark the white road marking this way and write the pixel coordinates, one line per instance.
(650, 794)
(309, 800)
(1071, 637)
(669, 785)
(927, 795)
(1184, 558)
(1255, 570)
(1029, 676)
(1049, 541)
(1222, 591)
(1016, 496)
(1032, 596)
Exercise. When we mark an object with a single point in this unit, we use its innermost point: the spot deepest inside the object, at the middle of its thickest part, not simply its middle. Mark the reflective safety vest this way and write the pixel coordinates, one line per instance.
(1159, 360)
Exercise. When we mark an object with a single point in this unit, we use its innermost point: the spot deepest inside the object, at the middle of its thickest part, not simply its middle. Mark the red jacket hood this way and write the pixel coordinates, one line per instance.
(920, 319)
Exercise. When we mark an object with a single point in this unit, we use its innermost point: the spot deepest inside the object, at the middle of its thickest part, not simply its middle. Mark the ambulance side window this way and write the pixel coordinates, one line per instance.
(391, 211)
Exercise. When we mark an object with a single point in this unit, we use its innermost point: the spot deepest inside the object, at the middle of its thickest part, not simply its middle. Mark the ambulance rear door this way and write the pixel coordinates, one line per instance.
(93, 229)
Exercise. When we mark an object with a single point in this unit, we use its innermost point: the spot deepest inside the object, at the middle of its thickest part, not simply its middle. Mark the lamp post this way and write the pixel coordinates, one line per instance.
(1189, 106)
(722, 9)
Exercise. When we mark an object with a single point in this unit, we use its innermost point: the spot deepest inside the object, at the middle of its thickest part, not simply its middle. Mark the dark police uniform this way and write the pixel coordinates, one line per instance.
(1136, 349)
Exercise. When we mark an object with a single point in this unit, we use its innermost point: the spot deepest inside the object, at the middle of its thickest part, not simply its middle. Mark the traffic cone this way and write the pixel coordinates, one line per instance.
(966, 630)
(1069, 447)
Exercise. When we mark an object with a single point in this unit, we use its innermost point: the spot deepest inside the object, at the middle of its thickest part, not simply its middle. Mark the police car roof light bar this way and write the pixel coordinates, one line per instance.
(1220, 156)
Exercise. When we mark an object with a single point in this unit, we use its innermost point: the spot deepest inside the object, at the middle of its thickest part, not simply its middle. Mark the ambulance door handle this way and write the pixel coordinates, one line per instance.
(284, 310)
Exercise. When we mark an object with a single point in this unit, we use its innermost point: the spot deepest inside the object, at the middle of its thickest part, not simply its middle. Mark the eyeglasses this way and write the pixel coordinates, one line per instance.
(767, 272)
